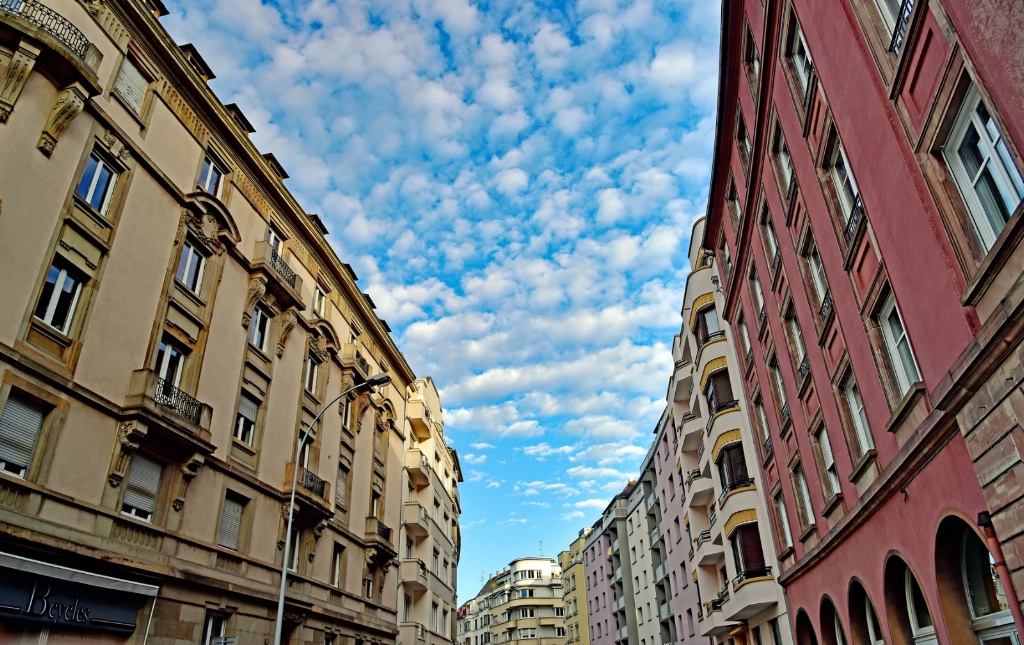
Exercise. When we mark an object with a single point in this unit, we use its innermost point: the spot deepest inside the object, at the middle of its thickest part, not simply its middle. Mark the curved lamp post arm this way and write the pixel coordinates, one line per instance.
(370, 383)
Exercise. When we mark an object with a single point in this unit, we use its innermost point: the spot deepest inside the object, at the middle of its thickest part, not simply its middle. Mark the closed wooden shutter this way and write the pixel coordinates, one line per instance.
(750, 547)
(131, 85)
(230, 523)
(143, 487)
(826, 450)
(19, 432)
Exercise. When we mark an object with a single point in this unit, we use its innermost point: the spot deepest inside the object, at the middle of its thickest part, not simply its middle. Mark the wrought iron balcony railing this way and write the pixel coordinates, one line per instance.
(855, 219)
(383, 530)
(768, 447)
(899, 33)
(749, 357)
(786, 413)
(282, 268)
(731, 486)
(312, 483)
(692, 475)
(826, 306)
(49, 21)
(805, 367)
(704, 340)
(721, 406)
(751, 573)
(173, 398)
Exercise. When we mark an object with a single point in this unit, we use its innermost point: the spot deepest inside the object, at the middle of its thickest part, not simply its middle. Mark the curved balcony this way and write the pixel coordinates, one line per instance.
(415, 519)
(692, 431)
(718, 410)
(716, 620)
(699, 488)
(50, 22)
(753, 591)
(737, 496)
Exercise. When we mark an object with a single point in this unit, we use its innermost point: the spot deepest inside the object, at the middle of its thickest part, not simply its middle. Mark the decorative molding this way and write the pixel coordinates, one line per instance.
(257, 288)
(129, 436)
(68, 105)
(15, 76)
(288, 320)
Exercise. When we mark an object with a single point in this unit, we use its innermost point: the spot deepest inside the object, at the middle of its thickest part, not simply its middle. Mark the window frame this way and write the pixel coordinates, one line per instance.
(101, 162)
(804, 73)
(260, 326)
(905, 379)
(27, 401)
(802, 491)
(190, 251)
(65, 271)
(862, 436)
(212, 162)
(137, 512)
(830, 471)
(231, 497)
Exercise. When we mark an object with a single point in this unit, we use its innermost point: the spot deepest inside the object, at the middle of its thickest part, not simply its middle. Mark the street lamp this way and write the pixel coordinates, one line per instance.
(372, 382)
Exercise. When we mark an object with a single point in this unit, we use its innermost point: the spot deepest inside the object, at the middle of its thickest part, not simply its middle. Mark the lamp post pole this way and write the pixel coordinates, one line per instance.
(370, 383)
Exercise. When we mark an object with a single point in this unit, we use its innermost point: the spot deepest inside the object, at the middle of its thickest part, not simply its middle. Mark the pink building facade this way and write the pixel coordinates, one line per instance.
(864, 213)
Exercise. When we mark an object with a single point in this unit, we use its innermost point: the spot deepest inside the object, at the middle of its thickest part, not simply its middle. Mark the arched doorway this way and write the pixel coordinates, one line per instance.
(805, 630)
(910, 619)
(832, 632)
(971, 597)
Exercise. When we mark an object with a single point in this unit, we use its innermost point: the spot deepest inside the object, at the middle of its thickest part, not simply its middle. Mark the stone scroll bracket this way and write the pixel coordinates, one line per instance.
(67, 106)
(15, 76)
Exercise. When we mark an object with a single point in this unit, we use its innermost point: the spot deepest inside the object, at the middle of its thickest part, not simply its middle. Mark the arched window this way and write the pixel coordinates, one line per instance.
(874, 629)
(921, 626)
(986, 599)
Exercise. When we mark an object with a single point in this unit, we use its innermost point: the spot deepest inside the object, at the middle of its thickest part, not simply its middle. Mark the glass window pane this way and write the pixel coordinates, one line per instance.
(47, 294)
(65, 303)
(85, 185)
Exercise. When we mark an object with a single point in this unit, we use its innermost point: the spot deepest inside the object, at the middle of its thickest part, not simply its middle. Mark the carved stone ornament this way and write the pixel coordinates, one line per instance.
(370, 555)
(316, 346)
(94, 7)
(280, 545)
(257, 288)
(67, 106)
(311, 556)
(14, 77)
(205, 229)
(287, 324)
(318, 530)
(129, 435)
(189, 470)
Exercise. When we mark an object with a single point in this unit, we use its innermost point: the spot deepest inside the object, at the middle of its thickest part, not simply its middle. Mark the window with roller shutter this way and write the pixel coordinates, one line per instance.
(20, 425)
(131, 86)
(230, 533)
(142, 489)
(828, 463)
(245, 422)
(746, 548)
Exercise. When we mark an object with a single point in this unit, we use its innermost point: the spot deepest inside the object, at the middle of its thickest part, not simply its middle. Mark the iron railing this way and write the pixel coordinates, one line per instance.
(751, 573)
(384, 531)
(704, 340)
(703, 536)
(720, 407)
(692, 475)
(805, 367)
(786, 413)
(826, 306)
(776, 259)
(731, 486)
(749, 357)
(899, 33)
(364, 367)
(312, 483)
(761, 315)
(49, 21)
(712, 516)
(282, 268)
(854, 222)
(768, 447)
(700, 450)
(173, 398)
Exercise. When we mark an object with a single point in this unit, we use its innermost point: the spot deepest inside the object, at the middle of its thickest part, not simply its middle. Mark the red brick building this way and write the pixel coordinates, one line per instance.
(864, 207)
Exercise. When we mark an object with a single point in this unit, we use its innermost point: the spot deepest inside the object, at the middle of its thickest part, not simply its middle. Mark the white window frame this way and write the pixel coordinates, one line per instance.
(780, 510)
(758, 294)
(214, 627)
(275, 240)
(829, 464)
(259, 328)
(336, 562)
(311, 373)
(889, 16)
(858, 415)
(319, 301)
(232, 508)
(136, 511)
(800, 54)
(293, 557)
(785, 160)
(906, 374)
(798, 336)
(803, 495)
(245, 428)
(63, 276)
(996, 158)
(923, 634)
(21, 424)
(871, 620)
(780, 388)
(190, 256)
(817, 271)
(844, 182)
(206, 174)
(93, 181)
(167, 352)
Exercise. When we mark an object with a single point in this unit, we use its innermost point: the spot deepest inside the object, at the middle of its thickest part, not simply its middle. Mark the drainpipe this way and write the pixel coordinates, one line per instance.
(996, 549)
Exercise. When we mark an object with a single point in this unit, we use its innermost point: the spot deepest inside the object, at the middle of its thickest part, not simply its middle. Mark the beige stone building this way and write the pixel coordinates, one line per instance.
(170, 322)
(522, 603)
(430, 524)
(731, 553)
(574, 596)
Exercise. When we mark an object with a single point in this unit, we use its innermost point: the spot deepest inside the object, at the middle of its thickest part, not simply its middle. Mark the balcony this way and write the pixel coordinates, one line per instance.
(621, 634)
(655, 535)
(282, 281)
(619, 604)
(693, 431)
(720, 408)
(707, 339)
(309, 487)
(899, 34)
(734, 487)
(786, 413)
(652, 501)
(181, 420)
(418, 467)
(49, 21)
(378, 534)
(707, 552)
(854, 222)
(414, 574)
(753, 591)
(700, 489)
(661, 571)
(618, 575)
(615, 546)
(415, 519)
(419, 418)
(353, 359)
(664, 611)
(805, 368)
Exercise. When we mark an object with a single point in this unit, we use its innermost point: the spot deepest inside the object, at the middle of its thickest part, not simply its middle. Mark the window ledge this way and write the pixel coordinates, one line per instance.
(93, 214)
(862, 465)
(831, 504)
(904, 407)
(240, 445)
(812, 528)
(1006, 244)
(192, 296)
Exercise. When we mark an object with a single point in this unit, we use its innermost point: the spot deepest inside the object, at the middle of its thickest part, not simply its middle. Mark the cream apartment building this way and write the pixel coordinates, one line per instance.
(574, 590)
(171, 323)
(521, 604)
(642, 547)
(718, 457)
(430, 523)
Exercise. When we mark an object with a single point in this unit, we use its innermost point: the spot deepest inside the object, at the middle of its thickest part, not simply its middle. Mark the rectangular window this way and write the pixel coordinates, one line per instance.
(245, 421)
(817, 271)
(338, 567)
(143, 487)
(20, 425)
(211, 175)
(97, 183)
(707, 325)
(758, 297)
(275, 240)
(761, 419)
(889, 10)
(312, 368)
(213, 628)
(845, 186)
(901, 356)
(751, 60)
(803, 497)
(743, 143)
(341, 489)
(745, 339)
(59, 298)
(831, 485)
(800, 58)
(780, 389)
(527, 612)
(782, 519)
(293, 555)
(190, 267)
(771, 241)
(230, 532)
(784, 162)
(319, 302)
(746, 548)
(131, 86)
(858, 416)
(259, 328)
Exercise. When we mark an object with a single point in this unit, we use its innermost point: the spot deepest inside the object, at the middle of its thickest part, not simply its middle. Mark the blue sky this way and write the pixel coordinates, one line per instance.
(514, 182)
